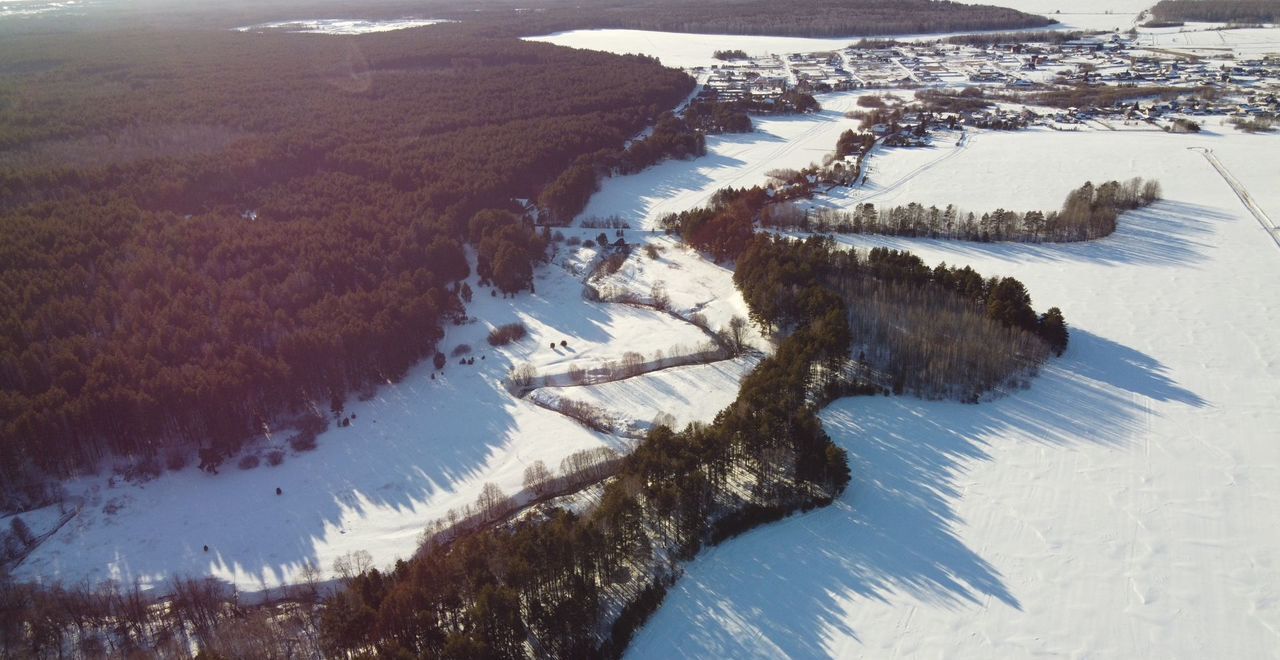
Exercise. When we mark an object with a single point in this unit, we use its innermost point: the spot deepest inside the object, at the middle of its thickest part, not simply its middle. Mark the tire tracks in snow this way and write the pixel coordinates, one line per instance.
(1243, 193)
(961, 145)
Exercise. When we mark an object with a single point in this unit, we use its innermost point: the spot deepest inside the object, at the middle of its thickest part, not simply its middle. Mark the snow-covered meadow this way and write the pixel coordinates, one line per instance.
(738, 160)
(1120, 507)
(347, 26)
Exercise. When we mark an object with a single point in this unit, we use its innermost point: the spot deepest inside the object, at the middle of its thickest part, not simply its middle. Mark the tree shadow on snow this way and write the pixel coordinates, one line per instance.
(895, 534)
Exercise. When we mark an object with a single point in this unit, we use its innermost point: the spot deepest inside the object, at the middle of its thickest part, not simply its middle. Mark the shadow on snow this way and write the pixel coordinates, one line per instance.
(896, 533)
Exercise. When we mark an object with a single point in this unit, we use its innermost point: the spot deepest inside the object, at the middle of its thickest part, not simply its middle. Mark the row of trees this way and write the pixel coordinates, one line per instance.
(1089, 212)
(1219, 11)
(805, 18)
(169, 300)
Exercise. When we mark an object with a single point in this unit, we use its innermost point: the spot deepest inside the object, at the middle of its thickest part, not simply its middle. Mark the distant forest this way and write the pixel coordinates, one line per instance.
(206, 234)
(799, 18)
(1218, 11)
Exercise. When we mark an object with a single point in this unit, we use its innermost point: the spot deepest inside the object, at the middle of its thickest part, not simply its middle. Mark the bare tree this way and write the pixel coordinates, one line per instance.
(537, 478)
(632, 363)
(492, 502)
(352, 564)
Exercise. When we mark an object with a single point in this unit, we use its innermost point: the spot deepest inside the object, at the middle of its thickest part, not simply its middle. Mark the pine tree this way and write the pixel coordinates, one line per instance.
(1053, 329)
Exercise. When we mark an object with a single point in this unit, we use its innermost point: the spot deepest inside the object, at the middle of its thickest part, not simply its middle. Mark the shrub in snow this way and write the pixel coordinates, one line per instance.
(249, 462)
(275, 457)
(21, 531)
(505, 334)
(303, 442)
(175, 460)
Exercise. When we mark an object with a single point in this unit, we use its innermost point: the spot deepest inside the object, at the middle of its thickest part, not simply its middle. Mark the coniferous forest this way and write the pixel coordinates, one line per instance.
(206, 233)
(1218, 11)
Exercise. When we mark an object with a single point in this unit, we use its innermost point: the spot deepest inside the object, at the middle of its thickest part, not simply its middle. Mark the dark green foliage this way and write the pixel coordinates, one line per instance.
(507, 249)
(808, 18)
(1053, 329)
(851, 143)
(725, 227)
(672, 137)
(1217, 11)
(170, 296)
(937, 333)
(734, 54)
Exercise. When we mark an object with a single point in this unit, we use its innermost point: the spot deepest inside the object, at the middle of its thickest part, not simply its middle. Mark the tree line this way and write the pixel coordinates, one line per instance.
(167, 302)
(565, 584)
(805, 18)
(1219, 11)
(1089, 212)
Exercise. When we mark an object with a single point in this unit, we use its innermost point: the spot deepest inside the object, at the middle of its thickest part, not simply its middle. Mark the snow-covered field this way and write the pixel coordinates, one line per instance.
(1121, 507)
(1208, 40)
(682, 50)
(19, 8)
(1079, 14)
(976, 176)
(341, 25)
(688, 394)
(414, 450)
(737, 160)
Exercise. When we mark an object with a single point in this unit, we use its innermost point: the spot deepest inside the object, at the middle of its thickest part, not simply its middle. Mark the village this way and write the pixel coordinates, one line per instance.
(1097, 79)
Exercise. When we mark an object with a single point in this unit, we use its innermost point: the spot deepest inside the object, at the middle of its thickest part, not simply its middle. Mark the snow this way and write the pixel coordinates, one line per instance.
(1121, 507)
(1211, 40)
(414, 450)
(738, 160)
(682, 50)
(342, 25)
(1105, 15)
(693, 285)
(686, 51)
(976, 175)
(36, 7)
(689, 394)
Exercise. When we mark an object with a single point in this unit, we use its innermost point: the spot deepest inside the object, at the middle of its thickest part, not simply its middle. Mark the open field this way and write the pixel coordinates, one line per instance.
(738, 160)
(1117, 508)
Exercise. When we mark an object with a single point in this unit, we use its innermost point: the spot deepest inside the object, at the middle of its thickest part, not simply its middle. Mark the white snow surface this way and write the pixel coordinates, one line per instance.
(414, 450)
(1208, 39)
(1121, 507)
(689, 394)
(347, 26)
(1079, 14)
(738, 160)
(692, 284)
